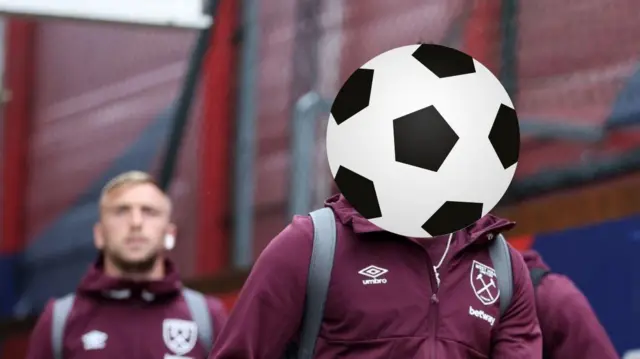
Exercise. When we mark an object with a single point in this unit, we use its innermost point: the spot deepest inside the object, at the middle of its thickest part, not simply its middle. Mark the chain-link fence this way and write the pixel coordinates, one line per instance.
(334, 38)
(571, 69)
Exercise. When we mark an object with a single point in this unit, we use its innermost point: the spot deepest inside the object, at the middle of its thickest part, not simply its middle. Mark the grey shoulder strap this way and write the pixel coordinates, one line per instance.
(61, 309)
(537, 274)
(324, 243)
(501, 258)
(199, 310)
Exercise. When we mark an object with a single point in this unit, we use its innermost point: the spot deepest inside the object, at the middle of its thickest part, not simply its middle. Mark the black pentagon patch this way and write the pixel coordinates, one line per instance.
(453, 216)
(354, 95)
(444, 61)
(359, 191)
(505, 136)
(423, 139)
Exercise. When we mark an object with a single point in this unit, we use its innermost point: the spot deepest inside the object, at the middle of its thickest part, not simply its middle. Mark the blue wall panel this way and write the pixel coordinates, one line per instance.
(8, 288)
(604, 262)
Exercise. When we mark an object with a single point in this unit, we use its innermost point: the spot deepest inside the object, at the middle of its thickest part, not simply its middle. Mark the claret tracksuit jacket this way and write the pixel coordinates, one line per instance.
(403, 314)
(570, 327)
(116, 319)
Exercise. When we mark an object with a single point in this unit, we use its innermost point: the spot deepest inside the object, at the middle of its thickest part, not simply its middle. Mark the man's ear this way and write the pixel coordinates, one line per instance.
(172, 229)
(98, 238)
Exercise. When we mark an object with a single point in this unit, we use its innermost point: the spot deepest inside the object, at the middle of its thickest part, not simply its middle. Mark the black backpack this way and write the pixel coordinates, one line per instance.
(324, 243)
(537, 274)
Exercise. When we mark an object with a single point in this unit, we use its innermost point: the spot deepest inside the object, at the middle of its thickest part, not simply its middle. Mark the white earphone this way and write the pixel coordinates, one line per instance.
(169, 241)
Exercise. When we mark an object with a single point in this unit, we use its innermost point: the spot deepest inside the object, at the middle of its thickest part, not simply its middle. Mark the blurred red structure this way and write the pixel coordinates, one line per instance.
(82, 96)
(16, 132)
(76, 109)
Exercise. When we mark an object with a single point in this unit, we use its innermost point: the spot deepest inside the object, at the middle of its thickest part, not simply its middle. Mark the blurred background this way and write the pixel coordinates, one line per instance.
(232, 119)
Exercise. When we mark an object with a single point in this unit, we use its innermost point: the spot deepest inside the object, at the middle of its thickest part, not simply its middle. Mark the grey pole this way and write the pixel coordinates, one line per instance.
(305, 77)
(303, 144)
(245, 146)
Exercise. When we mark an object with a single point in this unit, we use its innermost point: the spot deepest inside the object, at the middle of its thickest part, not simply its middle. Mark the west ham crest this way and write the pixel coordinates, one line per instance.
(484, 283)
(180, 336)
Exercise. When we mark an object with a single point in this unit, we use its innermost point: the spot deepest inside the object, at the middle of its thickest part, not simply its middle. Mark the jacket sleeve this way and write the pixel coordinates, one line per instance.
(517, 334)
(268, 311)
(569, 325)
(219, 315)
(40, 340)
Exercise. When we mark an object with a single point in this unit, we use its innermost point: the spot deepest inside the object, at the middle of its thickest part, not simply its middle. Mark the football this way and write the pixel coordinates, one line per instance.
(423, 140)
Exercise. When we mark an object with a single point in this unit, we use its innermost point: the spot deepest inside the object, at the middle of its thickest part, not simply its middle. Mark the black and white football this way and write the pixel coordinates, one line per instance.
(423, 140)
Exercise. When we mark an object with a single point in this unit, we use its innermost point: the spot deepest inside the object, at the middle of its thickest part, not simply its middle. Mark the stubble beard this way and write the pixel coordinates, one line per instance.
(136, 267)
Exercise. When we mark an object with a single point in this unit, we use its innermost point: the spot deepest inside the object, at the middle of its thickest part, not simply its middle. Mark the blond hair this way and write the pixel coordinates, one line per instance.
(125, 179)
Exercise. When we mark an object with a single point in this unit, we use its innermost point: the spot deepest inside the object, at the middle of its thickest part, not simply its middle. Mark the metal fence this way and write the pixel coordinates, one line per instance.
(333, 38)
(571, 69)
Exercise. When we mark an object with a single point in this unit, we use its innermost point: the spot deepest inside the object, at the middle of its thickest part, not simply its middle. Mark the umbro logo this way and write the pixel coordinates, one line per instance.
(373, 273)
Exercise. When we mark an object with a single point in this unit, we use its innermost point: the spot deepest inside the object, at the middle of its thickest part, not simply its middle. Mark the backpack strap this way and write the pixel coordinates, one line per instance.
(199, 310)
(61, 309)
(536, 275)
(501, 258)
(324, 243)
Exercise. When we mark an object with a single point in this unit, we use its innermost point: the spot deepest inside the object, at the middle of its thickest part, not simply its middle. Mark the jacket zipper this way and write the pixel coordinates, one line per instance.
(433, 307)
(139, 307)
(434, 323)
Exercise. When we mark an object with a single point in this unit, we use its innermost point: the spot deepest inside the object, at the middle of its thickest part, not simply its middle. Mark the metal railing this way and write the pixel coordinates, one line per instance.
(305, 179)
(245, 140)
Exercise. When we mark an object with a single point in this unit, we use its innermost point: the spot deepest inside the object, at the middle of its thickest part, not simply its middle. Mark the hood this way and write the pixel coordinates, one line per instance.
(96, 282)
(534, 260)
(349, 216)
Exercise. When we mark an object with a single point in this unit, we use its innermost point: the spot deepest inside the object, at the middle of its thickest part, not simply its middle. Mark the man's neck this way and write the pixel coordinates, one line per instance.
(156, 272)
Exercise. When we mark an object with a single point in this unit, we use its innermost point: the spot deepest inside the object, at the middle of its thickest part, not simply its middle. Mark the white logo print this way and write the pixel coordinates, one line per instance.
(483, 282)
(94, 340)
(180, 336)
(373, 272)
(482, 315)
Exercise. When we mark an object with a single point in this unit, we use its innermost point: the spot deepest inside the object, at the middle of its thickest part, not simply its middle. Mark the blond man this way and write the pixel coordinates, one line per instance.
(131, 303)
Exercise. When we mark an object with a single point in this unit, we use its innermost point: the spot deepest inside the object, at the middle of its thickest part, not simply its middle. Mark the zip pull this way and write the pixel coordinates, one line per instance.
(434, 299)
